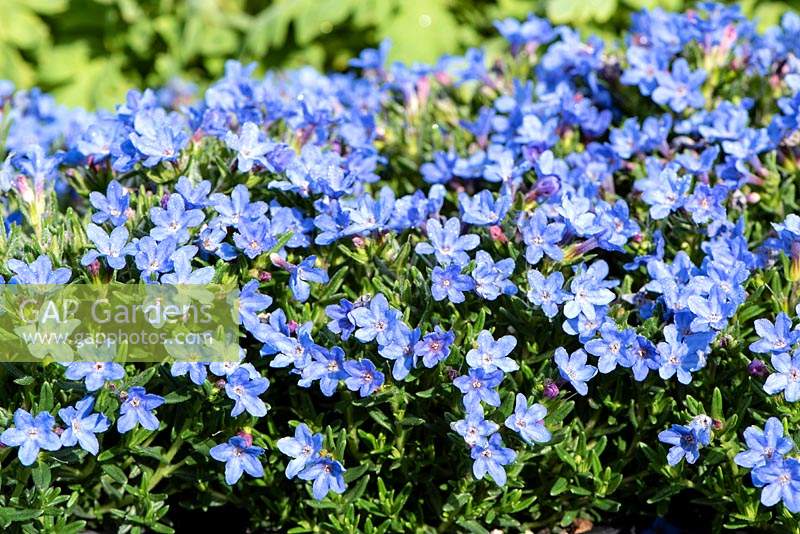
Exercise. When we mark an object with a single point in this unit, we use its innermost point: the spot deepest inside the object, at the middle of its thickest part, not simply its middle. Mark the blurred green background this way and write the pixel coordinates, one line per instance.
(90, 52)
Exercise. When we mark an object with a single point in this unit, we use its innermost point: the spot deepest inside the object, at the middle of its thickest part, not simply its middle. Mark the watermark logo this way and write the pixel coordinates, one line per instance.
(119, 322)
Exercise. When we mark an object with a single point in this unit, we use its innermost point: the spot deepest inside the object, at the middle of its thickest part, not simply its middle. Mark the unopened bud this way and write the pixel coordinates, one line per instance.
(550, 389)
(93, 268)
(757, 368)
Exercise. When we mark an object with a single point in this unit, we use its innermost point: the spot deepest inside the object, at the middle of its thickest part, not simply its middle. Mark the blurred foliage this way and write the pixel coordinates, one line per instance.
(89, 52)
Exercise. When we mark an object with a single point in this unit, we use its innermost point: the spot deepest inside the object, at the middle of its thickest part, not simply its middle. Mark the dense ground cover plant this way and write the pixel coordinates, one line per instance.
(511, 292)
(90, 52)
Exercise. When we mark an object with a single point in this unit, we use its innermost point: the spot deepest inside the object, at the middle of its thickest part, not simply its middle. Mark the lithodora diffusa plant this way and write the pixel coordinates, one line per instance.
(554, 287)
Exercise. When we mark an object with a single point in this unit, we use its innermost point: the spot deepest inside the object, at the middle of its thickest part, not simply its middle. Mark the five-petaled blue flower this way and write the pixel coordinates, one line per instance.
(490, 458)
(447, 243)
(362, 376)
(528, 421)
(477, 386)
(764, 446)
(327, 475)
(82, 425)
(240, 456)
(244, 390)
(786, 377)
(685, 443)
(112, 206)
(490, 355)
(136, 410)
(573, 369)
(303, 448)
(780, 480)
(450, 283)
(31, 434)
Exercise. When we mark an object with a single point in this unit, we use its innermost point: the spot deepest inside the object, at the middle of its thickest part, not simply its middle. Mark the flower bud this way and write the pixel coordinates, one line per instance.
(496, 232)
(264, 276)
(164, 200)
(550, 389)
(93, 268)
(757, 368)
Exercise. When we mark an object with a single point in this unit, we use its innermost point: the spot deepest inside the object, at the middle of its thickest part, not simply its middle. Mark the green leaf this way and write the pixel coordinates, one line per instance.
(41, 475)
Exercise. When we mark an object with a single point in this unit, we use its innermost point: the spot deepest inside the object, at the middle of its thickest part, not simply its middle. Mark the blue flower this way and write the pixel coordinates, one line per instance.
(666, 192)
(184, 274)
(152, 257)
(175, 220)
(588, 291)
(362, 376)
(376, 321)
(681, 88)
(96, 374)
(254, 237)
(340, 318)
(401, 351)
(483, 209)
(642, 357)
(296, 352)
(327, 367)
(528, 421)
(780, 480)
(573, 369)
(711, 312)
(82, 425)
(197, 371)
(250, 146)
(541, 238)
(774, 338)
(546, 293)
(240, 456)
(479, 386)
(684, 441)
(492, 279)
(302, 274)
(158, 137)
(490, 355)
(112, 206)
(786, 378)
(136, 408)
(439, 171)
(434, 347)
(38, 272)
(237, 207)
(211, 240)
(491, 458)
(31, 434)
(303, 448)
(707, 204)
(764, 446)
(447, 243)
(244, 390)
(195, 196)
(251, 302)
(450, 283)
(611, 346)
(327, 476)
(474, 428)
(112, 247)
(676, 356)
